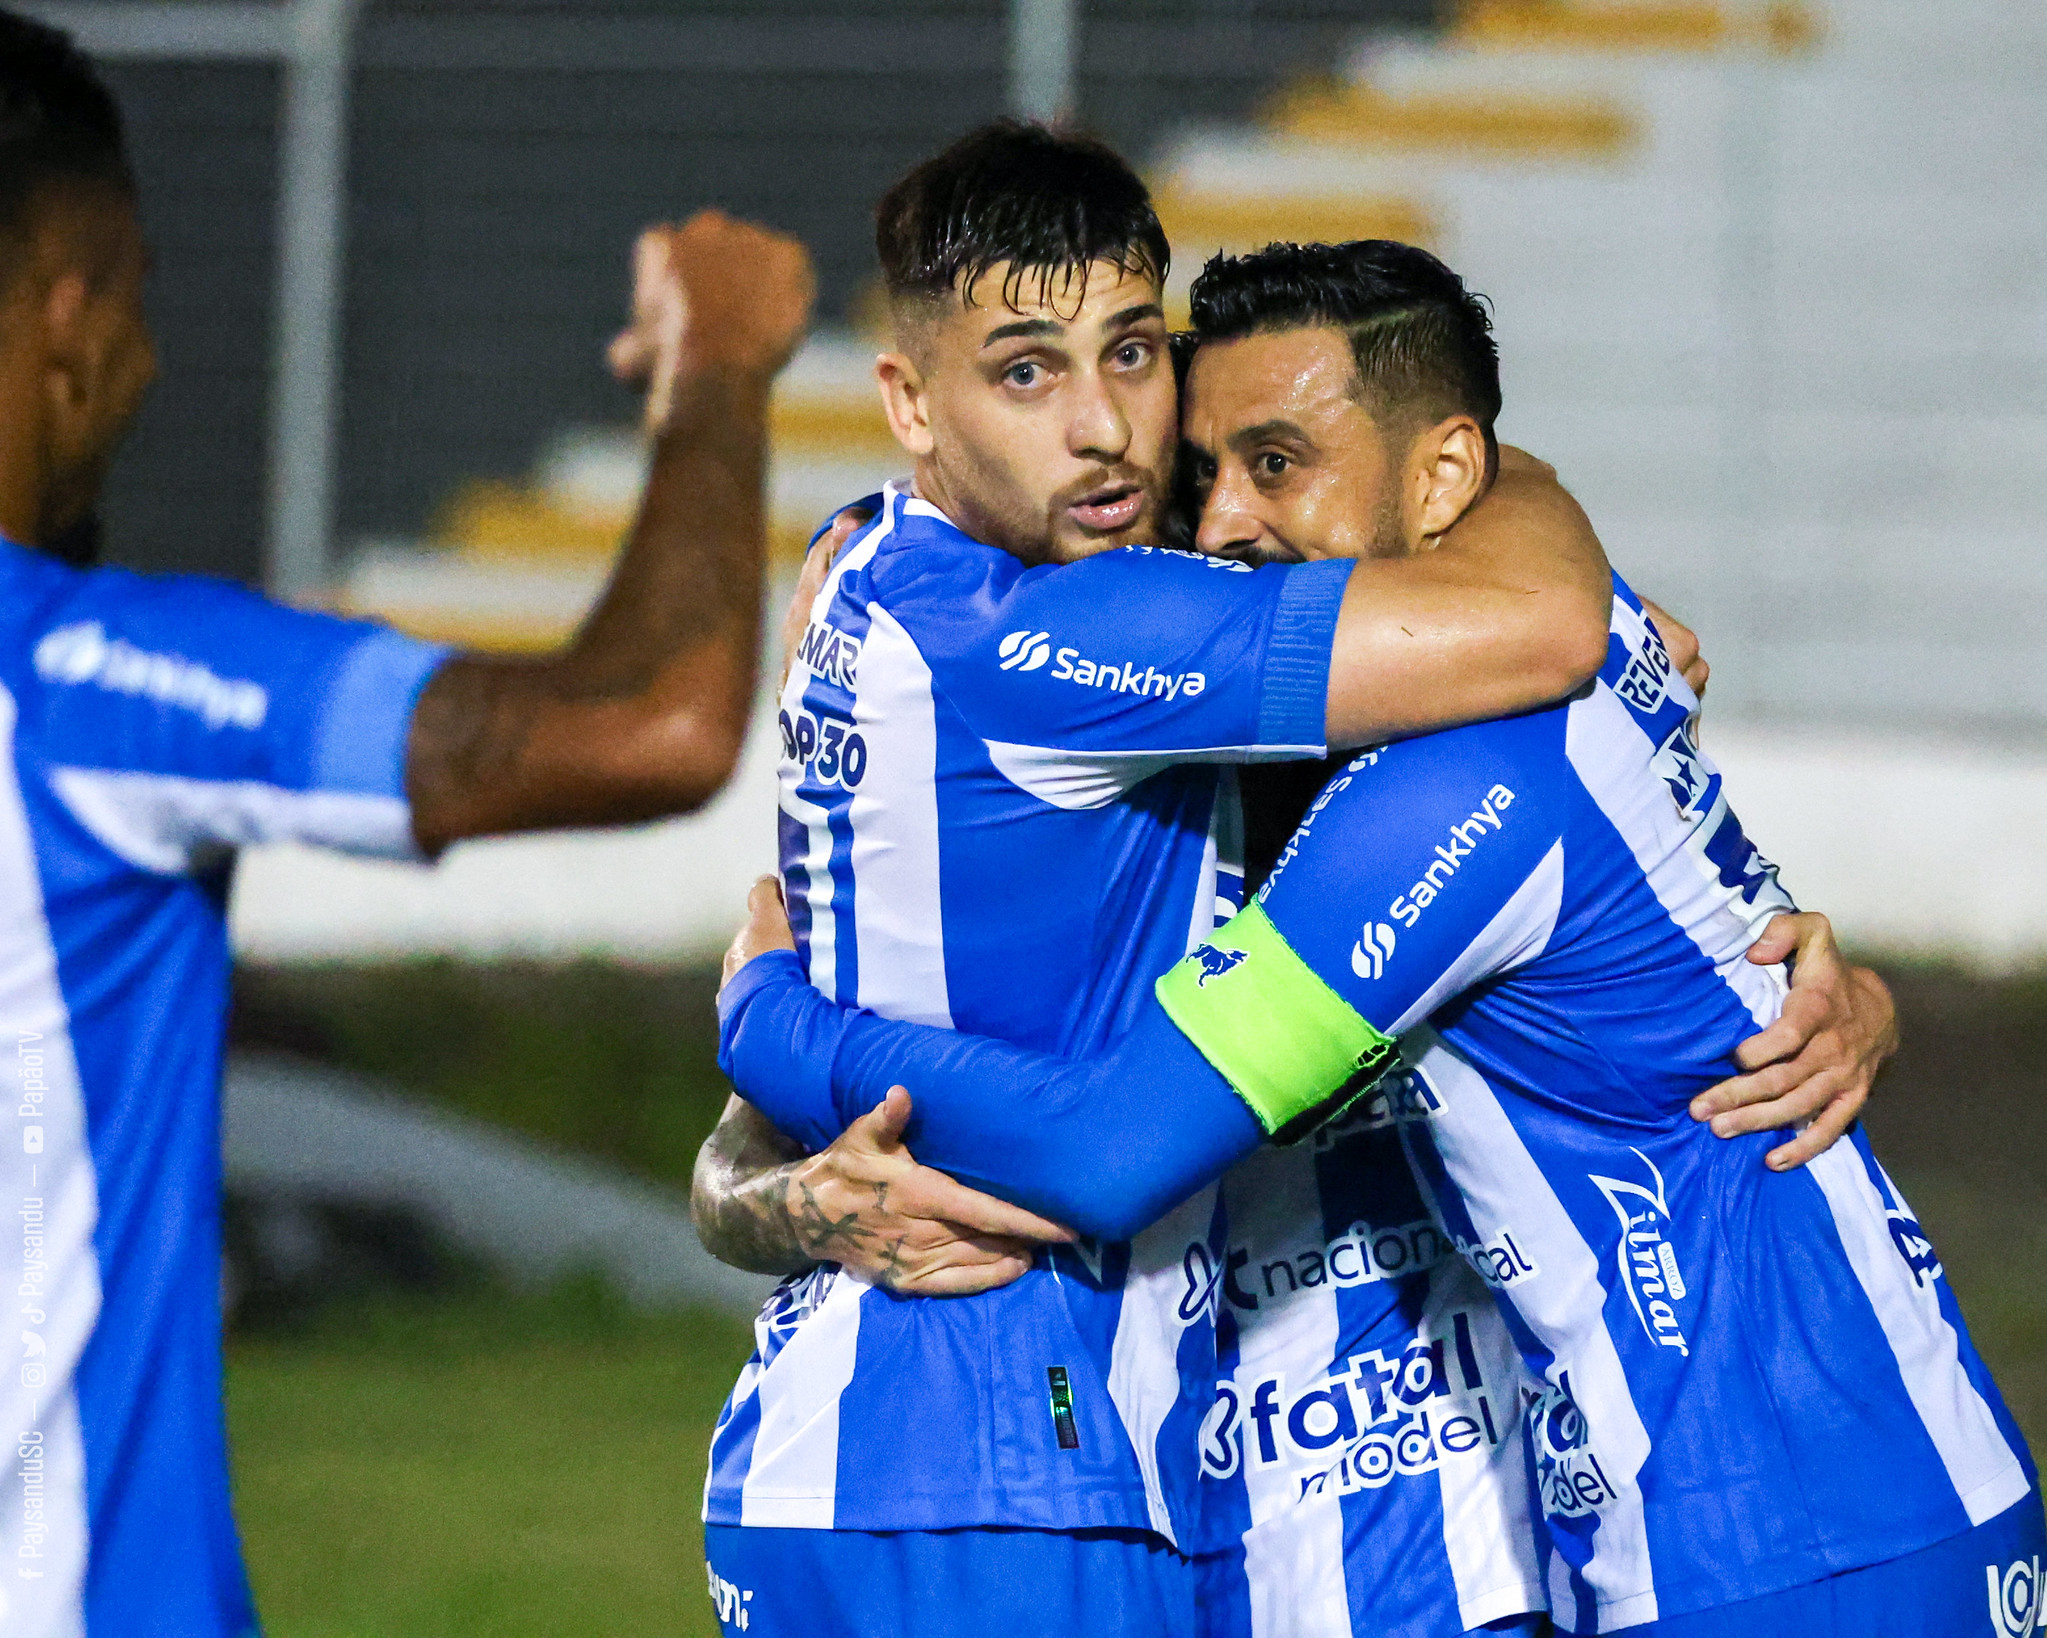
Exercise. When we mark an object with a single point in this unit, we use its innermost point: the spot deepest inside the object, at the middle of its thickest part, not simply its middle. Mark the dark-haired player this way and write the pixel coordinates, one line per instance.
(1002, 811)
(1525, 945)
(154, 724)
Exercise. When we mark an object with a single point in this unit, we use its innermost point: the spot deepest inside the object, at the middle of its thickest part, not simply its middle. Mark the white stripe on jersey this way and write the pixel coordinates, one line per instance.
(1144, 1357)
(894, 815)
(37, 1392)
(1505, 1192)
(1603, 741)
(1488, 1514)
(1987, 1477)
(167, 823)
(792, 1480)
(817, 890)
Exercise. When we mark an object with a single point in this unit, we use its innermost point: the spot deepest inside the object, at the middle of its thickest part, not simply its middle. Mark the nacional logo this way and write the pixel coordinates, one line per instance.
(1374, 948)
(1214, 963)
(1025, 650)
(730, 1600)
(2015, 1599)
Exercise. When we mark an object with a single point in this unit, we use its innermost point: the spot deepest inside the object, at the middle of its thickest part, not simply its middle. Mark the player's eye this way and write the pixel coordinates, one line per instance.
(1201, 469)
(1024, 373)
(1133, 355)
(1271, 464)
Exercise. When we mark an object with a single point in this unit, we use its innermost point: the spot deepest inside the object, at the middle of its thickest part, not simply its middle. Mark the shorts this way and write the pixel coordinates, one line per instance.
(947, 1583)
(1984, 1583)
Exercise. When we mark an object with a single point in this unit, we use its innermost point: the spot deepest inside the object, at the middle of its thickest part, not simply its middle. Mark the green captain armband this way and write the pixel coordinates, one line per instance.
(1294, 1050)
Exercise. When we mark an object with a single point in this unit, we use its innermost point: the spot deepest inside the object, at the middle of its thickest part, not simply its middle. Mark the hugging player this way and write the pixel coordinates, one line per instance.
(1007, 807)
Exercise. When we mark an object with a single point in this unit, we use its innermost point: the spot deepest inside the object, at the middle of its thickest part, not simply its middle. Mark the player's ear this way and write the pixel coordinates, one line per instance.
(1446, 473)
(905, 401)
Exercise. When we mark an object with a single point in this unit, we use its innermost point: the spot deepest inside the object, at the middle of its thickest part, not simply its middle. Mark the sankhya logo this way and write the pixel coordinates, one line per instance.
(1025, 650)
(84, 653)
(1374, 948)
(2015, 1598)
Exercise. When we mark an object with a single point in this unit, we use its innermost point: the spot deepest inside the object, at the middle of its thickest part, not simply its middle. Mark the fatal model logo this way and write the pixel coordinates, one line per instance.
(2015, 1598)
(1647, 1260)
(1568, 1474)
(1025, 650)
(1214, 963)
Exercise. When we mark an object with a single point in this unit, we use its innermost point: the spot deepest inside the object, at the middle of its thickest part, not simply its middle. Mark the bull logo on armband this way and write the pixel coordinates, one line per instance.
(1214, 963)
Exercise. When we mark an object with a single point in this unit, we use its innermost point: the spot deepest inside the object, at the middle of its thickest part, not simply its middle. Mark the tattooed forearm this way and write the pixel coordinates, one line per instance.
(739, 1195)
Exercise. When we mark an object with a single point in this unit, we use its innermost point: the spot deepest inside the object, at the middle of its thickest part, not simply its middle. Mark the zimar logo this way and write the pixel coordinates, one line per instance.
(1028, 650)
(1465, 835)
(2015, 1598)
(85, 654)
(1394, 1415)
(1647, 1260)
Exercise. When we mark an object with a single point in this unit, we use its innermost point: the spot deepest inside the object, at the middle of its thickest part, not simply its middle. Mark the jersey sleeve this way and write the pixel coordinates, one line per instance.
(1084, 679)
(1422, 870)
(181, 716)
(1105, 1144)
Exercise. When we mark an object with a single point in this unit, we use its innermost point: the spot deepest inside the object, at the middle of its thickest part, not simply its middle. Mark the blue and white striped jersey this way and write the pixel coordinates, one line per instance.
(1399, 1512)
(1001, 812)
(1748, 1380)
(151, 725)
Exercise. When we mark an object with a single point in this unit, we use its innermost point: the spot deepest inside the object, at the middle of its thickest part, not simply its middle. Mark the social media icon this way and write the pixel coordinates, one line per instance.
(31, 1140)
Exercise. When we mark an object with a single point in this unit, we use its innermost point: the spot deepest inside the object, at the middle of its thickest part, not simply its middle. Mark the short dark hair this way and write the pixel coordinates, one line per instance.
(58, 121)
(1043, 201)
(1423, 343)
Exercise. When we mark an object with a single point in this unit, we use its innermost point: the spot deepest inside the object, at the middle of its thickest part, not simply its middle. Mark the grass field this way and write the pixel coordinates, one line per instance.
(486, 1465)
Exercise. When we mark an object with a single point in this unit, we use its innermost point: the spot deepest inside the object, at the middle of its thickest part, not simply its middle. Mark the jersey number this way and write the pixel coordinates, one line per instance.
(835, 754)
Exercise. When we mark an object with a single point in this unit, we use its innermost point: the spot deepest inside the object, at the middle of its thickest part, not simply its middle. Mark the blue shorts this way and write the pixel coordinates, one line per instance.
(1984, 1583)
(947, 1583)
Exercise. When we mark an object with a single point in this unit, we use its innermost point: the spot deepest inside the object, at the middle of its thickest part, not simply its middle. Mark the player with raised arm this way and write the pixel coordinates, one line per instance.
(153, 724)
(1001, 811)
(1538, 938)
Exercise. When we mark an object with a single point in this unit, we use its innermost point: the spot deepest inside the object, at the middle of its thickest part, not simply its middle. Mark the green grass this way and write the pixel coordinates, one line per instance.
(486, 1466)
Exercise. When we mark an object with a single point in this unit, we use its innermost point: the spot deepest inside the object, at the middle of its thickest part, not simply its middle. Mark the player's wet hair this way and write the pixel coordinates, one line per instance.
(1045, 203)
(1423, 343)
(59, 125)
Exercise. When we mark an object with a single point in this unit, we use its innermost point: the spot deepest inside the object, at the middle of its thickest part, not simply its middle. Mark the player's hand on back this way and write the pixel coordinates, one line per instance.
(867, 1205)
(713, 294)
(1816, 1064)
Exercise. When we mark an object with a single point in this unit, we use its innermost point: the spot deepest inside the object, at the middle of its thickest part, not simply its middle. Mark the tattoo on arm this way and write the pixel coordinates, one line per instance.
(739, 1194)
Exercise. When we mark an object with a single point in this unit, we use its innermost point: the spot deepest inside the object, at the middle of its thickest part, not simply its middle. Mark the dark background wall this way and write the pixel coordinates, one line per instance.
(504, 153)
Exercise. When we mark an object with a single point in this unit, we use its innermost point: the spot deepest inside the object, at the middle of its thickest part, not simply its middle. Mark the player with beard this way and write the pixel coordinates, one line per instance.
(1002, 811)
(1527, 946)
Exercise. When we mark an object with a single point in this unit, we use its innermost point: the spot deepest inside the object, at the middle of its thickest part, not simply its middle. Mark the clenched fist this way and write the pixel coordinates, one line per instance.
(714, 294)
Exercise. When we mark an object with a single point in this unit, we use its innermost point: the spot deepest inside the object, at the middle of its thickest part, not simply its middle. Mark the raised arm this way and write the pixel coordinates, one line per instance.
(1508, 612)
(644, 711)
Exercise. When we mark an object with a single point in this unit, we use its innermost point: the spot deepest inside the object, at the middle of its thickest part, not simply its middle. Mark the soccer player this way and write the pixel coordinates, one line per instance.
(1001, 811)
(154, 724)
(1534, 941)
